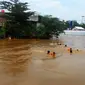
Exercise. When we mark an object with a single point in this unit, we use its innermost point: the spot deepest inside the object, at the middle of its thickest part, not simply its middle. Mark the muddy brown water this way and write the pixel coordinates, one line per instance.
(25, 62)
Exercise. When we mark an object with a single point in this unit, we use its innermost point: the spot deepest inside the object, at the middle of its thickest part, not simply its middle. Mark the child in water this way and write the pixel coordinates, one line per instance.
(54, 54)
(71, 51)
(48, 52)
(65, 45)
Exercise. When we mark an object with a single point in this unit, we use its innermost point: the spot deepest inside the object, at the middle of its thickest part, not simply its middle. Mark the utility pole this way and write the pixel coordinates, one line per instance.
(82, 21)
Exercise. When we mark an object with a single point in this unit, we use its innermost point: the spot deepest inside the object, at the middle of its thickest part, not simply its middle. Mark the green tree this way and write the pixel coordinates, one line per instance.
(51, 26)
(82, 25)
(74, 23)
(18, 16)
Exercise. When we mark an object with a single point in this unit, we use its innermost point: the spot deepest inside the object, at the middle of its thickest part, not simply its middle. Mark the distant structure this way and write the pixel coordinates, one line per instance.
(83, 20)
(70, 25)
(34, 17)
(76, 28)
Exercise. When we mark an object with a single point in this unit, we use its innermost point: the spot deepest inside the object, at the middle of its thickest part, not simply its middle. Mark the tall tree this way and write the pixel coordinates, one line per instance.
(19, 15)
(50, 26)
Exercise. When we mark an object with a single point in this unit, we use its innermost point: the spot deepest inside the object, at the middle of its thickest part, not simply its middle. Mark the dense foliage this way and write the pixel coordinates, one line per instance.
(17, 17)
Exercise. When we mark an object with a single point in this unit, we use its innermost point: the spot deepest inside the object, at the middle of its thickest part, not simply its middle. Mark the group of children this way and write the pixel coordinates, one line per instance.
(53, 54)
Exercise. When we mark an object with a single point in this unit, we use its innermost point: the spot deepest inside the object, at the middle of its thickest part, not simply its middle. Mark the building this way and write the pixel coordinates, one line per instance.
(76, 28)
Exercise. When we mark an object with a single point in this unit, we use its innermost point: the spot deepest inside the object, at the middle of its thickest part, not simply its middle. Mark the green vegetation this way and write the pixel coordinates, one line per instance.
(50, 26)
(17, 18)
(18, 25)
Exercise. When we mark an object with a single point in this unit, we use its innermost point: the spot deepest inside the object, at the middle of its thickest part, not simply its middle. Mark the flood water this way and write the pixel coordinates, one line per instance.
(25, 62)
(74, 41)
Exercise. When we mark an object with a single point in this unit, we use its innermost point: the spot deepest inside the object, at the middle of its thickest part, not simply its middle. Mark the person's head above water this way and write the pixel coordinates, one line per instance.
(53, 52)
(48, 52)
(65, 45)
(77, 49)
(70, 48)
